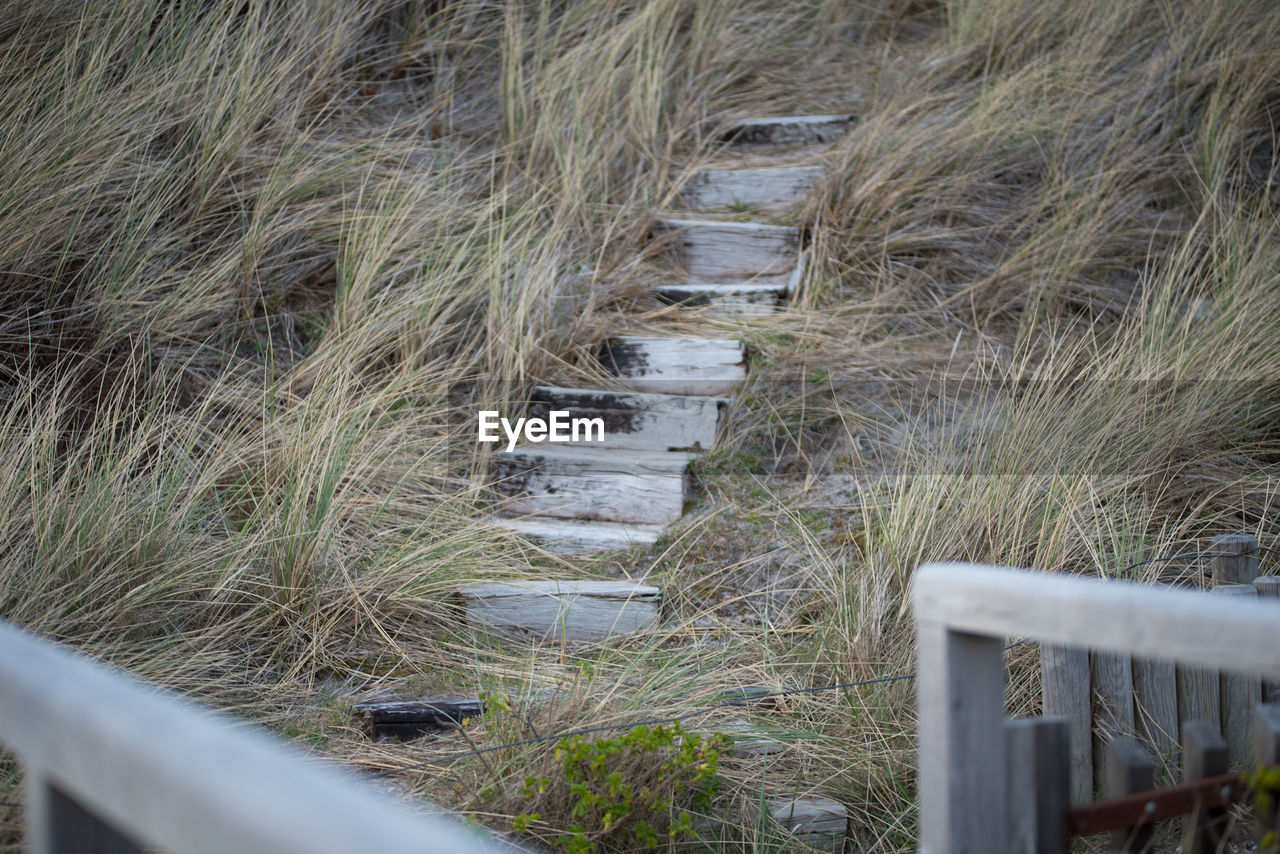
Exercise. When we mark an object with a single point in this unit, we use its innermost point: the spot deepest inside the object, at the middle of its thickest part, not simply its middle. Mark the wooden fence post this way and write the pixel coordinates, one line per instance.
(1155, 688)
(1113, 683)
(56, 824)
(1240, 565)
(1064, 674)
(1204, 754)
(1038, 777)
(961, 754)
(1240, 693)
(1129, 770)
(1268, 587)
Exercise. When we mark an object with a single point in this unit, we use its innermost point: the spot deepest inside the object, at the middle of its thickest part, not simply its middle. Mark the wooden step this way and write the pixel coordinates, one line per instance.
(770, 187)
(735, 249)
(576, 482)
(819, 823)
(580, 536)
(563, 610)
(724, 299)
(647, 422)
(403, 720)
(788, 130)
(676, 365)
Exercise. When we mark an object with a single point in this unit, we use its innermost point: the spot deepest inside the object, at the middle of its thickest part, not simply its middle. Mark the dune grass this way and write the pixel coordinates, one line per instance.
(260, 264)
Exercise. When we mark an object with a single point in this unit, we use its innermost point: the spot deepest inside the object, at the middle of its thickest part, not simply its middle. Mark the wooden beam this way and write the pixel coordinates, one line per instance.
(1065, 689)
(1204, 754)
(580, 536)
(788, 130)
(819, 823)
(1113, 687)
(708, 366)
(734, 249)
(562, 610)
(768, 187)
(1039, 785)
(1239, 693)
(1129, 770)
(645, 422)
(1236, 561)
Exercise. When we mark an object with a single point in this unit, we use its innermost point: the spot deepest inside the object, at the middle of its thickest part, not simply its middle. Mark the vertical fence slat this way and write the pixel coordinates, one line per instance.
(961, 755)
(1064, 674)
(1113, 684)
(1039, 784)
(1155, 688)
(1266, 751)
(1268, 587)
(1204, 754)
(56, 824)
(1239, 565)
(1130, 769)
(1240, 692)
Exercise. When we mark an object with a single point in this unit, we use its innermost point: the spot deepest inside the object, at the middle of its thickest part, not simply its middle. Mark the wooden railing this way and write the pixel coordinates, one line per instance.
(111, 765)
(979, 777)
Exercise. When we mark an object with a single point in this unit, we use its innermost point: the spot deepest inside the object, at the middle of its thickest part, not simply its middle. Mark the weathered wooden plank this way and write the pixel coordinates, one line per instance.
(403, 720)
(1155, 688)
(1204, 754)
(724, 299)
(1268, 587)
(1266, 751)
(1065, 687)
(580, 536)
(1114, 717)
(176, 776)
(575, 482)
(718, 248)
(788, 130)
(767, 187)
(563, 610)
(707, 366)
(819, 823)
(647, 422)
(1181, 625)
(1130, 769)
(1236, 561)
(58, 824)
(1240, 692)
(960, 694)
(1039, 784)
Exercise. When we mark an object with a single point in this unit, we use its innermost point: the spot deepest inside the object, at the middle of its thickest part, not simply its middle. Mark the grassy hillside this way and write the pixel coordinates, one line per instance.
(260, 264)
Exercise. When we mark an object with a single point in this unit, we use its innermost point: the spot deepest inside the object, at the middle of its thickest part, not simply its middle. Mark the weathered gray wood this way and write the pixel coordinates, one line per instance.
(186, 779)
(1204, 754)
(1198, 695)
(1240, 692)
(767, 187)
(645, 422)
(1130, 769)
(1038, 774)
(711, 366)
(1113, 716)
(562, 610)
(57, 824)
(575, 482)
(580, 536)
(723, 248)
(1182, 625)
(1242, 565)
(402, 720)
(1268, 587)
(819, 823)
(1155, 688)
(742, 298)
(1065, 688)
(1266, 751)
(788, 130)
(960, 695)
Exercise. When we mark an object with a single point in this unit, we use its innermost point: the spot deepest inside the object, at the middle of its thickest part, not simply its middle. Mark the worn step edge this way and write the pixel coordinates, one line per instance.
(817, 822)
(583, 459)
(709, 366)
(727, 248)
(580, 536)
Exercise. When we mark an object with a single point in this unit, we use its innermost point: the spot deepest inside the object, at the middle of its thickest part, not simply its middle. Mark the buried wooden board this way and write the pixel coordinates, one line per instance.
(786, 130)
(403, 720)
(816, 822)
(653, 422)
(576, 482)
(769, 187)
(563, 610)
(724, 299)
(720, 248)
(711, 366)
(579, 536)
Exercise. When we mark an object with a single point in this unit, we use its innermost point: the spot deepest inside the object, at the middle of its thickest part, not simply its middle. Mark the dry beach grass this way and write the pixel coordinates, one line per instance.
(260, 263)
